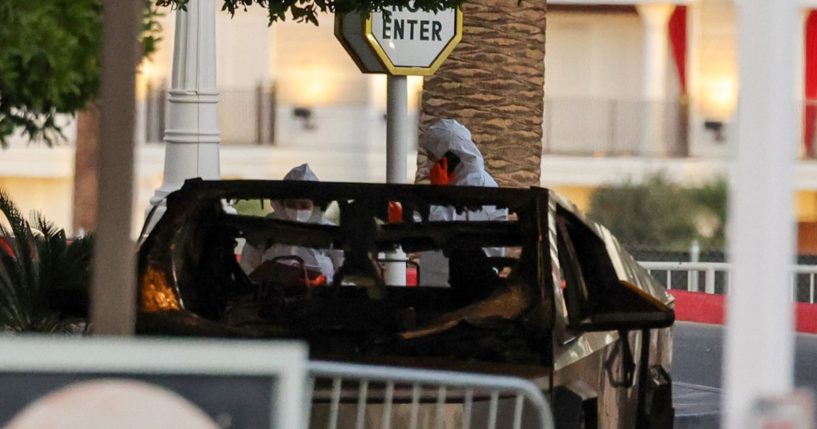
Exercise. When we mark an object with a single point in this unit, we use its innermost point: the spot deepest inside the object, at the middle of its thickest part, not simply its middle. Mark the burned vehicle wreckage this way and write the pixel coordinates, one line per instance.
(565, 306)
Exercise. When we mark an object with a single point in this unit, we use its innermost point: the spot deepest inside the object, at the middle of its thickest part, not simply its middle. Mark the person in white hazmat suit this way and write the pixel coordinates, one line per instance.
(320, 261)
(456, 162)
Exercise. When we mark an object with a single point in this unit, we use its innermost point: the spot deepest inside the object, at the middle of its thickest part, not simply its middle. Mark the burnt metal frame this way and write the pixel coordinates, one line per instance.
(535, 208)
(358, 233)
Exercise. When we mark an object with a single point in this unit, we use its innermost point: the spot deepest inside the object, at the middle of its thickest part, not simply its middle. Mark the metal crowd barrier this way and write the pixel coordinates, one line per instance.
(363, 396)
(716, 278)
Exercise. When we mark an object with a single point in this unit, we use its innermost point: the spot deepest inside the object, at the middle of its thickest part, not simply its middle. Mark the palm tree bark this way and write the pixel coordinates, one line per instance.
(493, 83)
(85, 169)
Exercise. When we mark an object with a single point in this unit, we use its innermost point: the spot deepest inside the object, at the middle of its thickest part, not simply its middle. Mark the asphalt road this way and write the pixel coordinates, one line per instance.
(698, 375)
(698, 354)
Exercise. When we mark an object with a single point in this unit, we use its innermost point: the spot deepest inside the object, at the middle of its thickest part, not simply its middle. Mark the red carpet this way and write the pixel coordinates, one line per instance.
(708, 308)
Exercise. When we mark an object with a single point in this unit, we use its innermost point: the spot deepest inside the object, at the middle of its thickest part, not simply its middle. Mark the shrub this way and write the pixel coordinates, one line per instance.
(44, 277)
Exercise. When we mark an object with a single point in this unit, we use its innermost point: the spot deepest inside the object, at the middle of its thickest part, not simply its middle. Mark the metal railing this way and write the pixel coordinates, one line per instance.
(366, 396)
(598, 126)
(246, 116)
(590, 126)
(714, 277)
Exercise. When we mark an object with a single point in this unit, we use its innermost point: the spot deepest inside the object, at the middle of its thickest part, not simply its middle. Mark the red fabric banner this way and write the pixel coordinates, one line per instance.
(678, 41)
(810, 111)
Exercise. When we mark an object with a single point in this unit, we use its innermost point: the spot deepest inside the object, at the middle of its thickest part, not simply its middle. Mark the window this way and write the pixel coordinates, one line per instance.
(586, 267)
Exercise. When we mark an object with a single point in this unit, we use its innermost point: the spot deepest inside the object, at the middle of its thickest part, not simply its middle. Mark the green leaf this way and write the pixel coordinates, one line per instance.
(49, 61)
(308, 10)
(44, 279)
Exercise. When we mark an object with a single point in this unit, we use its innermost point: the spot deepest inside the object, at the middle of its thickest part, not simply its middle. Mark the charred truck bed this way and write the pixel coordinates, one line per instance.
(562, 290)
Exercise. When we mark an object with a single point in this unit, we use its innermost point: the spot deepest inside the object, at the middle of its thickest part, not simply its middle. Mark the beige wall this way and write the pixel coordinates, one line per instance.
(714, 61)
(312, 68)
(712, 74)
(593, 55)
(242, 49)
(51, 197)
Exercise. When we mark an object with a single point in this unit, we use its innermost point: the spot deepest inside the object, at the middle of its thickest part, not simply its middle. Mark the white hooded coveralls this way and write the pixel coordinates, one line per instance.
(449, 135)
(317, 260)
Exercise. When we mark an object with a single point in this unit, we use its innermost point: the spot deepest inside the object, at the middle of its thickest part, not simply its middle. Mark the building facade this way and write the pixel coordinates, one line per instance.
(632, 88)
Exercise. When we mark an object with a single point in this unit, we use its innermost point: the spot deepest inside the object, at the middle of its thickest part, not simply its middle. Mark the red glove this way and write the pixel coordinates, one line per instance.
(317, 281)
(439, 172)
(395, 212)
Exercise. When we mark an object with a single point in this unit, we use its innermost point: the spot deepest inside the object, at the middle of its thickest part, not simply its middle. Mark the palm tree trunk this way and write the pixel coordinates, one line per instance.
(85, 169)
(493, 83)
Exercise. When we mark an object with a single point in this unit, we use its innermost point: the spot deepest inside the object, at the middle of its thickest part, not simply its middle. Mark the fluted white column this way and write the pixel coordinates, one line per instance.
(192, 136)
(655, 17)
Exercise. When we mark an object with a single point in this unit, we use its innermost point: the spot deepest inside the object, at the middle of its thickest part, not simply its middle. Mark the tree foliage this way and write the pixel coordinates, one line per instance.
(661, 214)
(308, 10)
(49, 61)
(49, 51)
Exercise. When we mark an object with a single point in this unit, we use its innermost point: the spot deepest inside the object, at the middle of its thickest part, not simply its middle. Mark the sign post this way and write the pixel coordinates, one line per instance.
(401, 41)
(394, 273)
(396, 129)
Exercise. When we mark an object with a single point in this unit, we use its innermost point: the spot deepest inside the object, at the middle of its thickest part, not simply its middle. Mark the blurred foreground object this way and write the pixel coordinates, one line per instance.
(104, 404)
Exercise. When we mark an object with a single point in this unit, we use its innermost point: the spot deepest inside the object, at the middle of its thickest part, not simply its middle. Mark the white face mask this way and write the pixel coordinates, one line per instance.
(298, 215)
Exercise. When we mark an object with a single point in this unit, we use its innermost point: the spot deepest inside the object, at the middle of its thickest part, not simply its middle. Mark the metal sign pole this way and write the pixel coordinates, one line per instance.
(396, 129)
(759, 343)
(392, 46)
(396, 149)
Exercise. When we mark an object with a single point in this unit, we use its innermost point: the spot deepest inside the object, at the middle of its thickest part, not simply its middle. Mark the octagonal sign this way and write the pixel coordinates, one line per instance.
(406, 41)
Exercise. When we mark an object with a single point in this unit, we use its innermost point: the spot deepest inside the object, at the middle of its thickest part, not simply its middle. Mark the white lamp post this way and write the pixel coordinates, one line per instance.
(192, 136)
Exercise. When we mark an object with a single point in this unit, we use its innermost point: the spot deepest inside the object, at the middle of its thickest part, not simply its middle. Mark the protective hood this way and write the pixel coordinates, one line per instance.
(314, 259)
(449, 135)
(302, 172)
(299, 173)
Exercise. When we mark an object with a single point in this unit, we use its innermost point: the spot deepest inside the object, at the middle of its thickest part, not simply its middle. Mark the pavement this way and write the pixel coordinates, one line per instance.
(698, 376)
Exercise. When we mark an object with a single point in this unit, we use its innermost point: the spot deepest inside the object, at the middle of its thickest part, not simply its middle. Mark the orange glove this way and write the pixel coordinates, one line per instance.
(439, 172)
(395, 212)
(317, 281)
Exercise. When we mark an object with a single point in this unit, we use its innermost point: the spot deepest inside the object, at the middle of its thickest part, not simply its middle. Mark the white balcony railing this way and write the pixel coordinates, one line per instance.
(714, 277)
(614, 127)
(577, 126)
(245, 116)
